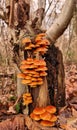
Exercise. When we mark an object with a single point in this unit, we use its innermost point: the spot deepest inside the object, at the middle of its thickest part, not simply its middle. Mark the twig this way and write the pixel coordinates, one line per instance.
(11, 20)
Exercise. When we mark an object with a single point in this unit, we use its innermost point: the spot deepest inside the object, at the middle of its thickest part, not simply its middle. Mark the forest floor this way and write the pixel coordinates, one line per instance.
(12, 114)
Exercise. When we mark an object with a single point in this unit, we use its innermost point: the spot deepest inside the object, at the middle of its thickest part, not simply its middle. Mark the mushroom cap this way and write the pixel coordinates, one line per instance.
(29, 59)
(28, 71)
(39, 62)
(38, 38)
(26, 102)
(33, 79)
(26, 94)
(35, 117)
(27, 77)
(43, 42)
(27, 66)
(43, 73)
(41, 68)
(30, 46)
(46, 116)
(27, 98)
(39, 82)
(25, 62)
(27, 81)
(39, 110)
(47, 123)
(34, 72)
(21, 75)
(36, 75)
(26, 40)
(50, 109)
(39, 79)
(24, 66)
(53, 118)
(33, 84)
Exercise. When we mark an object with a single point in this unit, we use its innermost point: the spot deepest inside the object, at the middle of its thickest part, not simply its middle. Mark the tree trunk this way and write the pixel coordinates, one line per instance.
(20, 87)
(61, 23)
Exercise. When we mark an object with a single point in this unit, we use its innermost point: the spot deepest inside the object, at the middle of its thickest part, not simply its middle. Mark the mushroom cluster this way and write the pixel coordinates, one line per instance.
(27, 98)
(41, 44)
(45, 115)
(33, 71)
(28, 45)
(38, 45)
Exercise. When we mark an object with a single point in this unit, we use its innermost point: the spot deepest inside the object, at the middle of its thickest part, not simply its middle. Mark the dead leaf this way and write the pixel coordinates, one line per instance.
(11, 110)
(74, 112)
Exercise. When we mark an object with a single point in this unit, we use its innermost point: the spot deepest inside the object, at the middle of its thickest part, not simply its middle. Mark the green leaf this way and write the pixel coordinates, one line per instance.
(17, 107)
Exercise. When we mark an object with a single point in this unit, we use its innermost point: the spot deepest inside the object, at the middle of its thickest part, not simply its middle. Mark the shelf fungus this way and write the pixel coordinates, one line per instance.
(27, 98)
(51, 109)
(45, 115)
(35, 117)
(33, 71)
(38, 45)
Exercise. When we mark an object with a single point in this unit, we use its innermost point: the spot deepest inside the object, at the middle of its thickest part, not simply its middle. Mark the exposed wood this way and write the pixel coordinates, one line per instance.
(43, 97)
(61, 23)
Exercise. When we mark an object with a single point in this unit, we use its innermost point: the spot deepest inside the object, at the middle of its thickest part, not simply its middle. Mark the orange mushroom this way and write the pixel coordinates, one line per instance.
(27, 81)
(46, 116)
(27, 77)
(24, 66)
(43, 73)
(33, 84)
(39, 110)
(21, 75)
(40, 83)
(35, 117)
(43, 42)
(39, 62)
(26, 102)
(50, 109)
(29, 46)
(41, 68)
(26, 94)
(53, 118)
(27, 98)
(39, 37)
(26, 40)
(41, 49)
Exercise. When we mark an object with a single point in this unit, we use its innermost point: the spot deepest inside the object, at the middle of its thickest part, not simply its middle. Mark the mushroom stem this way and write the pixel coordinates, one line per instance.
(26, 110)
(43, 97)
